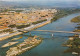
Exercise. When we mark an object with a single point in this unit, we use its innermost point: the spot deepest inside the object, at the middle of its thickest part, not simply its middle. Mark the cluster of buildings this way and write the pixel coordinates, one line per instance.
(24, 17)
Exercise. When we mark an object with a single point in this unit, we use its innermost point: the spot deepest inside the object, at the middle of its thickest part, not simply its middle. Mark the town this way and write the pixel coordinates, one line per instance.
(12, 20)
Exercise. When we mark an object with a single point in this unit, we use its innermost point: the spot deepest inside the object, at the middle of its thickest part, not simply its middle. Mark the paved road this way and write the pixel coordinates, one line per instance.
(9, 34)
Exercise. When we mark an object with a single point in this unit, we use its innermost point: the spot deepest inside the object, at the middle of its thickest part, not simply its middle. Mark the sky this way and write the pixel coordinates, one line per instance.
(40, 0)
(47, 1)
(50, 2)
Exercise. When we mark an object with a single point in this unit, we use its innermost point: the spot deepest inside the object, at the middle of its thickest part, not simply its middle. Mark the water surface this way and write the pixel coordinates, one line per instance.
(50, 46)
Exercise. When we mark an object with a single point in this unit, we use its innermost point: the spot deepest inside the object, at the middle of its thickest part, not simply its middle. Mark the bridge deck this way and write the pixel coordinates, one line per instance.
(58, 31)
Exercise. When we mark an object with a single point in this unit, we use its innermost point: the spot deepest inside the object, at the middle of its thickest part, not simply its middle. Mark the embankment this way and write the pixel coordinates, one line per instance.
(47, 22)
(18, 33)
(10, 35)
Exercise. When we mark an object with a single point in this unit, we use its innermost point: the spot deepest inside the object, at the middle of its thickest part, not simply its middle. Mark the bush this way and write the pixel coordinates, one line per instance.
(12, 26)
(76, 19)
(0, 17)
(39, 21)
(22, 26)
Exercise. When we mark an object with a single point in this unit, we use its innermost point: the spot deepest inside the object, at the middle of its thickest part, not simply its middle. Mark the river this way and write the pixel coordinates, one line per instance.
(50, 46)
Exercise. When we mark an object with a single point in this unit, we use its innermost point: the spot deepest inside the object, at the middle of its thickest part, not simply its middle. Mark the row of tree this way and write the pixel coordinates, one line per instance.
(27, 25)
(64, 12)
(19, 26)
(39, 21)
(6, 30)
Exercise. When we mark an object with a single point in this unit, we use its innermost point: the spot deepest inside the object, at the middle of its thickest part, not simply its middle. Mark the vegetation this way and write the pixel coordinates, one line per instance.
(6, 30)
(12, 26)
(75, 45)
(0, 17)
(42, 16)
(18, 10)
(78, 27)
(76, 30)
(28, 44)
(76, 19)
(64, 12)
(22, 26)
(39, 21)
(4, 10)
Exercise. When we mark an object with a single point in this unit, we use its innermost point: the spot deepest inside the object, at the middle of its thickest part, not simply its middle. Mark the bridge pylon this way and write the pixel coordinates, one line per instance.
(79, 35)
(52, 35)
(30, 33)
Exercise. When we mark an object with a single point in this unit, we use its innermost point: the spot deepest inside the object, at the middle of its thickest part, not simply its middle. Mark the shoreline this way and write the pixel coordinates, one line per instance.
(6, 37)
(73, 42)
(18, 33)
(22, 47)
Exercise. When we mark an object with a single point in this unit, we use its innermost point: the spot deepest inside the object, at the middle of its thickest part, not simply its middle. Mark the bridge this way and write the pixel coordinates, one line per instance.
(58, 31)
(54, 31)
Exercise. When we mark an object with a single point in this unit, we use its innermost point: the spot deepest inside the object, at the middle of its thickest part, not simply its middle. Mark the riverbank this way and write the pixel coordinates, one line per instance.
(73, 43)
(38, 25)
(61, 13)
(76, 19)
(28, 28)
(64, 12)
(28, 44)
(10, 35)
